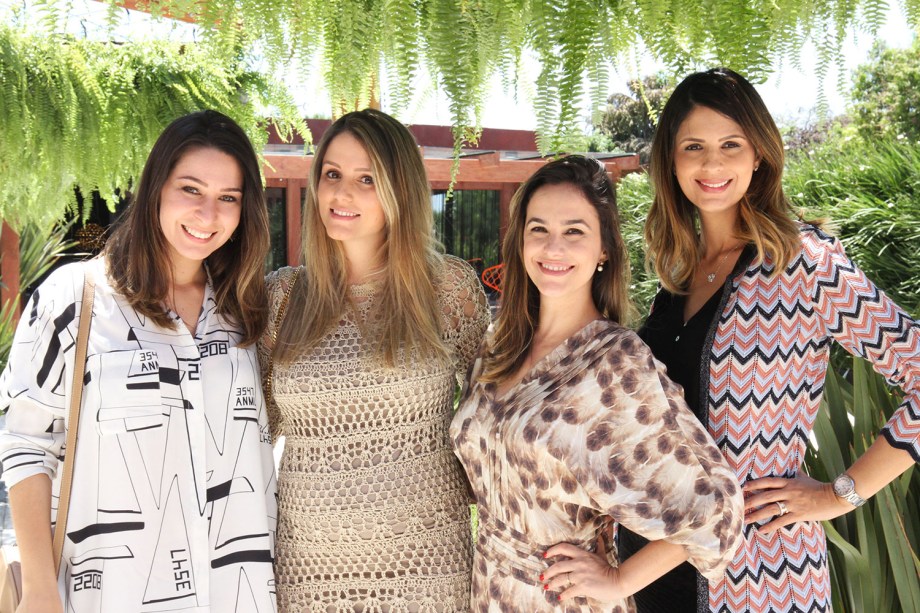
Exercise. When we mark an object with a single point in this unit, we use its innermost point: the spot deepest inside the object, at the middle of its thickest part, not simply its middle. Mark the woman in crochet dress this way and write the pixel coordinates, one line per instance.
(173, 491)
(750, 302)
(570, 426)
(377, 330)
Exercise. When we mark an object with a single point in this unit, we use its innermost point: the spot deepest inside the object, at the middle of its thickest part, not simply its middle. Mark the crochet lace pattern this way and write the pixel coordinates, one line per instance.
(373, 505)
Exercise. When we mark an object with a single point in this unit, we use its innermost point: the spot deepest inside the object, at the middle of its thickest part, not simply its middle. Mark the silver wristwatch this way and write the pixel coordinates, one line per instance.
(845, 488)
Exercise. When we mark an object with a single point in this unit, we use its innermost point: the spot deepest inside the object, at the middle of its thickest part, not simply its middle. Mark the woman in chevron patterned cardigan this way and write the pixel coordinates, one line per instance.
(750, 302)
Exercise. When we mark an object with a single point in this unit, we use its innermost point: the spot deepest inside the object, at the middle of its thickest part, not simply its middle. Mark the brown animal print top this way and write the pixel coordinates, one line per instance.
(595, 433)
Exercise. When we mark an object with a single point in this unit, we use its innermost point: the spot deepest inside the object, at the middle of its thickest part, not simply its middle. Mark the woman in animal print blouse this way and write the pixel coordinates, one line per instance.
(570, 425)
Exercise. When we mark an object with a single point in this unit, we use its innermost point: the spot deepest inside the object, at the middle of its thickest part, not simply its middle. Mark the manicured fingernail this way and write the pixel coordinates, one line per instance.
(541, 576)
(544, 554)
(545, 586)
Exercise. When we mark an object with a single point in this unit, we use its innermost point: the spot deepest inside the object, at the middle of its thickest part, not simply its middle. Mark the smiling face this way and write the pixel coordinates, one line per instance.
(713, 160)
(200, 205)
(347, 195)
(562, 242)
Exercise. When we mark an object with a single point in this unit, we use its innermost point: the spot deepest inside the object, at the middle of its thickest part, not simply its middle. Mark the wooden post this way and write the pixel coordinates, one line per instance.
(504, 208)
(294, 220)
(9, 269)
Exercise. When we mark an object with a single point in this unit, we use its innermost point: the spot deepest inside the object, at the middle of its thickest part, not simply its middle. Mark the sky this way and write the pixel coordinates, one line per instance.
(791, 93)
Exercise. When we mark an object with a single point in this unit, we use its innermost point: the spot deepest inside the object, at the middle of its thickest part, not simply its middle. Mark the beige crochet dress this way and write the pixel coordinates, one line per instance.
(373, 506)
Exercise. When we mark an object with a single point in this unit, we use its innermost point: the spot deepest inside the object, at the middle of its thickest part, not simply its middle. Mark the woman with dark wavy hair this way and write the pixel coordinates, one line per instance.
(173, 495)
(751, 299)
(570, 426)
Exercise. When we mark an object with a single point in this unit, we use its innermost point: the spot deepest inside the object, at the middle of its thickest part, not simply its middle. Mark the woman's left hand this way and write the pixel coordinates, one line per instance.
(790, 500)
(581, 573)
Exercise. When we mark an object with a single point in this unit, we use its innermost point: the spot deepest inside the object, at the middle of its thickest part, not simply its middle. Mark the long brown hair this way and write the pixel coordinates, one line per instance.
(520, 310)
(408, 301)
(137, 253)
(765, 215)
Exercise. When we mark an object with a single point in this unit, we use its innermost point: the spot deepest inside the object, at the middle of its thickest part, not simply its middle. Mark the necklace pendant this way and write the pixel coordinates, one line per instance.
(711, 277)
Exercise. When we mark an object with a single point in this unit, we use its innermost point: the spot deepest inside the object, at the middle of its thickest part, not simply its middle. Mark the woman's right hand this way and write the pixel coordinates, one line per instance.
(44, 601)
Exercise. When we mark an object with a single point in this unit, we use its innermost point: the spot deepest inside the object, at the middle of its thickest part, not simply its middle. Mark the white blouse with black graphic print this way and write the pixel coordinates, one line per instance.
(173, 504)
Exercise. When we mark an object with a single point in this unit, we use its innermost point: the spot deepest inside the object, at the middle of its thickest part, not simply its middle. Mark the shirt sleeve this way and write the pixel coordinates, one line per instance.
(465, 313)
(867, 323)
(35, 386)
(649, 463)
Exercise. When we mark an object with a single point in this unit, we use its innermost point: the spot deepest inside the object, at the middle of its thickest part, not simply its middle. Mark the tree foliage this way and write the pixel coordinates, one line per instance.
(464, 43)
(81, 114)
(630, 118)
(886, 93)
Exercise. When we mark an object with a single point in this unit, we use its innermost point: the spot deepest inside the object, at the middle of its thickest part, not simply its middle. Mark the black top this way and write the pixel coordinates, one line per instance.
(679, 346)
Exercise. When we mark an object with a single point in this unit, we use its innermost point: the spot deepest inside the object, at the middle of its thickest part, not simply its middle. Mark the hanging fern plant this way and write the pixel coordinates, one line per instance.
(81, 114)
(465, 42)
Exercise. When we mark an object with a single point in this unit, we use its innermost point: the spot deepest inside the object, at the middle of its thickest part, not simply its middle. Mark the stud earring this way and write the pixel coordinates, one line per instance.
(600, 267)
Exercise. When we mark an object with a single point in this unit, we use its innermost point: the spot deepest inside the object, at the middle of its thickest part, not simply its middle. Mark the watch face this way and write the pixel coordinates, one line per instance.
(843, 485)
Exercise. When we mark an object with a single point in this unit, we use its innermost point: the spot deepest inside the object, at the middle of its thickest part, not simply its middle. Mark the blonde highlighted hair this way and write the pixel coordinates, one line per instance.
(407, 303)
(765, 216)
(520, 310)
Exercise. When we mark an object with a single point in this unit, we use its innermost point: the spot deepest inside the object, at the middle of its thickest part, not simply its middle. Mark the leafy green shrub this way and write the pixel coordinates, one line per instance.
(871, 193)
(634, 196)
(873, 551)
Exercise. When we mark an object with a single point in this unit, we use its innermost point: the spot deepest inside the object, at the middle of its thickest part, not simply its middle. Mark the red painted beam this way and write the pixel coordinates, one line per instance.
(9, 268)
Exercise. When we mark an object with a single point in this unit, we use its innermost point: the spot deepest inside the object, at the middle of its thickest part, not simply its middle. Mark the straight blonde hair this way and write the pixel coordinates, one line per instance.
(520, 310)
(408, 302)
(765, 215)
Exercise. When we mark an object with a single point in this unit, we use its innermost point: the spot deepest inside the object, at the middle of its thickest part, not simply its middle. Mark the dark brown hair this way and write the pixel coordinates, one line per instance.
(765, 216)
(520, 310)
(137, 253)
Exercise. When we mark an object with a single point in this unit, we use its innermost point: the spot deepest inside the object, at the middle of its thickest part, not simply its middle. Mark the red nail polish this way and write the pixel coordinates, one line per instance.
(544, 554)
(541, 576)
(545, 586)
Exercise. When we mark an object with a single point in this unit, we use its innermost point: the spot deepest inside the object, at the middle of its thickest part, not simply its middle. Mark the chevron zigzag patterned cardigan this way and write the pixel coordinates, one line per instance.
(763, 373)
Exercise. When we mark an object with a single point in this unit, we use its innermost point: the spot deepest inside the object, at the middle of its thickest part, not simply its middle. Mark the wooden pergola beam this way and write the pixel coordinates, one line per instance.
(479, 169)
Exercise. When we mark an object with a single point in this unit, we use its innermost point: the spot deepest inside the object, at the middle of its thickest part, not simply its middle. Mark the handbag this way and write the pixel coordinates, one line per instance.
(10, 569)
(10, 579)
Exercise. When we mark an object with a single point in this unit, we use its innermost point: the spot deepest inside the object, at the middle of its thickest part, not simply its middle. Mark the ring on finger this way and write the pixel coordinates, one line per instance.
(782, 507)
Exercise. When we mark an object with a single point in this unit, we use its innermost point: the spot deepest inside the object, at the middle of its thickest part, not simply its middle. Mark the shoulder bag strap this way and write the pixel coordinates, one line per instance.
(73, 420)
(279, 317)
